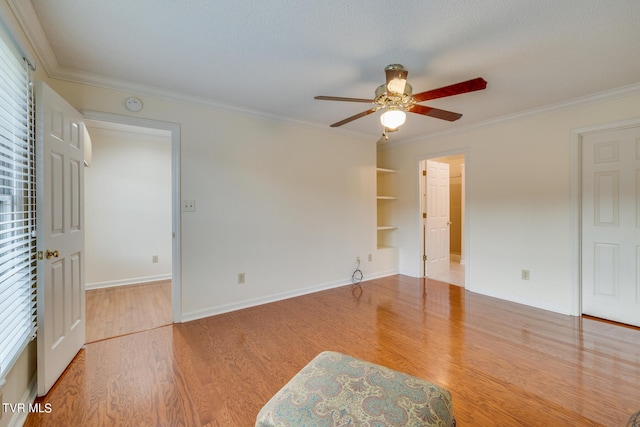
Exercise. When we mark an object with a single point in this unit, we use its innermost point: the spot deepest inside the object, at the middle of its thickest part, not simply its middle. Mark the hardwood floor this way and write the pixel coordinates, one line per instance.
(505, 364)
(121, 310)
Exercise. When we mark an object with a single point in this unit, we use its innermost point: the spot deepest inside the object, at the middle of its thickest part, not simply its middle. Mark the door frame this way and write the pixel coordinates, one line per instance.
(467, 211)
(176, 253)
(576, 201)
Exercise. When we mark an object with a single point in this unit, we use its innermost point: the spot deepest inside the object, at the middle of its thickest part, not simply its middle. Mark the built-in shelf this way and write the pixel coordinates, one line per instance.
(385, 170)
(384, 188)
(387, 247)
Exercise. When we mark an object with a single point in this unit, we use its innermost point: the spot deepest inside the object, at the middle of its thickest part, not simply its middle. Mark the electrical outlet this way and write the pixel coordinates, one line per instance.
(1, 406)
(370, 257)
(154, 259)
(240, 278)
(188, 206)
(526, 275)
(358, 259)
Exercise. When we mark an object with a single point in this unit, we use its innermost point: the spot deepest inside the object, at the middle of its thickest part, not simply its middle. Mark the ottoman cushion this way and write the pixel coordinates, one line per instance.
(338, 390)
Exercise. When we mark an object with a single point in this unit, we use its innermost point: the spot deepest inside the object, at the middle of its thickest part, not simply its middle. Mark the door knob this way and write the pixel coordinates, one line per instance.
(50, 254)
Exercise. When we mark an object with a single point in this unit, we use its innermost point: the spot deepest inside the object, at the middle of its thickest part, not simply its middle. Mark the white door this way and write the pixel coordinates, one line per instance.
(60, 216)
(437, 217)
(611, 225)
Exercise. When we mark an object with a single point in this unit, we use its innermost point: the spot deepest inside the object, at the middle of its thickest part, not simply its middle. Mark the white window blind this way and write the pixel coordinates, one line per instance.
(17, 207)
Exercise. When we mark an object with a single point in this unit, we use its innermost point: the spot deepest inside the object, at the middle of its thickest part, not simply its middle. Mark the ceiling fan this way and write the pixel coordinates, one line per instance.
(396, 98)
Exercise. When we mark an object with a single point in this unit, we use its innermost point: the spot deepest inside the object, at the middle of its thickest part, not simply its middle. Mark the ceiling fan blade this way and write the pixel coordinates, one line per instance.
(338, 98)
(455, 89)
(396, 79)
(435, 112)
(352, 118)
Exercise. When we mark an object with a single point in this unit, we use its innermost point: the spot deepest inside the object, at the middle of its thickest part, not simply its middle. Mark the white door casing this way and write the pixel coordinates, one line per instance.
(423, 218)
(438, 217)
(463, 207)
(174, 128)
(610, 244)
(60, 234)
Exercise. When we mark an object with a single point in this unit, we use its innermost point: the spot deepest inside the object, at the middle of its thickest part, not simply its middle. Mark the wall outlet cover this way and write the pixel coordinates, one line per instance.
(188, 206)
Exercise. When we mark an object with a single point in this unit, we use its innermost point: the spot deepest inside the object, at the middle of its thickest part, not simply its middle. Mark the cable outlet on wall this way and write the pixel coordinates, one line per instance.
(526, 275)
(240, 278)
(188, 206)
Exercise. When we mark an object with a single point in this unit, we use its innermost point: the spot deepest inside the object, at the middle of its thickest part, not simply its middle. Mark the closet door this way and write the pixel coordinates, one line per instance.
(611, 225)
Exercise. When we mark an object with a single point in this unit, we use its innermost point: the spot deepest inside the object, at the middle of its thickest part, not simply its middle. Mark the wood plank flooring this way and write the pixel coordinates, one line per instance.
(505, 364)
(121, 310)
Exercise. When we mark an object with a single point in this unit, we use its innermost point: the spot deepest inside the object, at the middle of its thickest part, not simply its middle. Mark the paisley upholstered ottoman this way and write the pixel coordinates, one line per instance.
(338, 390)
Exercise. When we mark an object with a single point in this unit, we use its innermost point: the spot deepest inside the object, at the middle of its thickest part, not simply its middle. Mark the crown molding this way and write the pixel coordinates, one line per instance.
(26, 16)
(96, 80)
(607, 95)
(93, 79)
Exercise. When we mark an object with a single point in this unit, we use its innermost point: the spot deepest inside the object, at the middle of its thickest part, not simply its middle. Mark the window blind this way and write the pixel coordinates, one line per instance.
(17, 207)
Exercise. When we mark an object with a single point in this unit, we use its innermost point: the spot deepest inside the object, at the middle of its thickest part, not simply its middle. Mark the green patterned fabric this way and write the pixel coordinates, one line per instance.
(336, 390)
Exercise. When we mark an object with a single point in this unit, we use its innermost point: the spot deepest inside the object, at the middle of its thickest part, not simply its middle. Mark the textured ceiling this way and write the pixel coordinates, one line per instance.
(272, 58)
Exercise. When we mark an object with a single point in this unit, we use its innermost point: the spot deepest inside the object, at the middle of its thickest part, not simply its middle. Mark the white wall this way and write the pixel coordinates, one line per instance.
(519, 176)
(127, 208)
(289, 206)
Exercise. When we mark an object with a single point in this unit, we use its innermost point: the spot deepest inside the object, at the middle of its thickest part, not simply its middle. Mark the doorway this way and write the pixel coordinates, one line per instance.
(131, 214)
(442, 218)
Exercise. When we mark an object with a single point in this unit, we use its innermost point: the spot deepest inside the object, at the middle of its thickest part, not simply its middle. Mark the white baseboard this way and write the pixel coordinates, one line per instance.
(226, 308)
(18, 418)
(380, 274)
(524, 301)
(124, 282)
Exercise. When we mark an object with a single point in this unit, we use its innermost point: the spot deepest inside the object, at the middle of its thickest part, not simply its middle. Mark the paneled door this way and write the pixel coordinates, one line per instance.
(60, 235)
(438, 217)
(611, 225)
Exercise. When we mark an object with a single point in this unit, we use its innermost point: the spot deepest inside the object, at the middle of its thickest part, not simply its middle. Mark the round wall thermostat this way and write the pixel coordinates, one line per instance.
(133, 104)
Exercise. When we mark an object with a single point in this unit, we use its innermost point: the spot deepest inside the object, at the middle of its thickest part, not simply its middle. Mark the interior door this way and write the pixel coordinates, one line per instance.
(60, 235)
(611, 225)
(437, 217)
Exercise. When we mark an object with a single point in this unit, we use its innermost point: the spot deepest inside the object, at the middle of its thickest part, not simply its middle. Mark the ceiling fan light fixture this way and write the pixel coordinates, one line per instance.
(392, 119)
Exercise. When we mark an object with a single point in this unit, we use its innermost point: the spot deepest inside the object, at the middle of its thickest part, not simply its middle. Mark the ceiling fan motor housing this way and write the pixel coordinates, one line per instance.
(386, 99)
